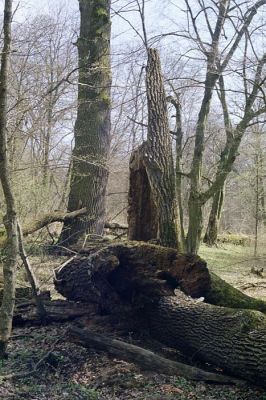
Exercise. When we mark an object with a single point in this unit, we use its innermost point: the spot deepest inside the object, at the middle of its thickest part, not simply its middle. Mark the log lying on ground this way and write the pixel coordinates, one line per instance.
(144, 278)
(57, 311)
(146, 359)
(133, 267)
(234, 340)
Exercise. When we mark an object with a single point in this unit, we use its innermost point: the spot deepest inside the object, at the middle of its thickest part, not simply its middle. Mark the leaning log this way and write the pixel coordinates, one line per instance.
(49, 218)
(146, 359)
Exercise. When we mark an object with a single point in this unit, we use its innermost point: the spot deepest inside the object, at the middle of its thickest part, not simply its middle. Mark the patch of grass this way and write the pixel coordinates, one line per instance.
(225, 257)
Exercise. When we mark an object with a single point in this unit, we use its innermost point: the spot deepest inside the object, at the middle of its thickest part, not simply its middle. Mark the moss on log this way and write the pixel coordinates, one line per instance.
(223, 294)
(233, 340)
(132, 267)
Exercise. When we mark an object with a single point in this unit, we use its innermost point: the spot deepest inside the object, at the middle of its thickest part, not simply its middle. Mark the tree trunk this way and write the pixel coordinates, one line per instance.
(92, 128)
(232, 340)
(125, 269)
(158, 153)
(140, 281)
(142, 211)
(9, 267)
(211, 234)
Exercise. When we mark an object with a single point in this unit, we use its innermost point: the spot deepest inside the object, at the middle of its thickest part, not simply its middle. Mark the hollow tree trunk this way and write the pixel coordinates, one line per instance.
(89, 173)
(213, 224)
(142, 211)
(158, 153)
(127, 268)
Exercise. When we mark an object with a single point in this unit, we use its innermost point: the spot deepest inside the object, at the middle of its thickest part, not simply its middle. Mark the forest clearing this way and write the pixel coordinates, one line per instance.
(132, 199)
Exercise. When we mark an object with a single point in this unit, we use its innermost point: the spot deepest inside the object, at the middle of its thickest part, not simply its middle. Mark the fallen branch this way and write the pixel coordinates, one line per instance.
(146, 359)
(56, 216)
(31, 276)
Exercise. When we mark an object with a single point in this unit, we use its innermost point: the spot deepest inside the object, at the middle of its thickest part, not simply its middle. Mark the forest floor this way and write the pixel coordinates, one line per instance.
(71, 372)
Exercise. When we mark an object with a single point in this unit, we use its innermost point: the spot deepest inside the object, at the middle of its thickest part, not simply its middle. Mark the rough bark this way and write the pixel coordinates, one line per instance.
(92, 128)
(158, 153)
(146, 359)
(126, 269)
(142, 211)
(234, 340)
(211, 234)
(140, 281)
(9, 266)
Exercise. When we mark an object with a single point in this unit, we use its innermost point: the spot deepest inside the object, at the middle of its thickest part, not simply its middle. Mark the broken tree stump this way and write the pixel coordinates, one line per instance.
(142, 211)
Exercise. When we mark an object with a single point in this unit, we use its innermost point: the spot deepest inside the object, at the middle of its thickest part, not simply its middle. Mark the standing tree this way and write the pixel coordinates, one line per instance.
(11, 224)
(218, 51)
(92, 128)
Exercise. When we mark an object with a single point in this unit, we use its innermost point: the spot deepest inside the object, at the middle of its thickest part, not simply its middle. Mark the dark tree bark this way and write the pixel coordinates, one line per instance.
(142, 211)
(92, 128)
(124, 269)
(211, 234)
(157, 153)
(9, 266)
(234, 340)
(139, 282)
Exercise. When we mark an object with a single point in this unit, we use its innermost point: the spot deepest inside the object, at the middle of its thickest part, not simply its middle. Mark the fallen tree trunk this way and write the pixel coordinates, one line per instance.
(234, 340)
(145, 279)
(146, 359)
(134, 267)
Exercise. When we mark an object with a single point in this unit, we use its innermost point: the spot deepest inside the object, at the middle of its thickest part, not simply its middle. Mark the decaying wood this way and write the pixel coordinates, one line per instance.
(129, 268)
(146, 359)
(57, 311)
(142, 211)
(145, 278)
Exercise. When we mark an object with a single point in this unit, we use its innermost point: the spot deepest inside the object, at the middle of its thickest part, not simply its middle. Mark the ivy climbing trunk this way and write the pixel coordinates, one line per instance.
(10, 220)
(92, 129)
(158, 157)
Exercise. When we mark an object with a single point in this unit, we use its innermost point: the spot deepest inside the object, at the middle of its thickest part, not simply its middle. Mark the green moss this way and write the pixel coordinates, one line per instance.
(101, 12)
(223, 294)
